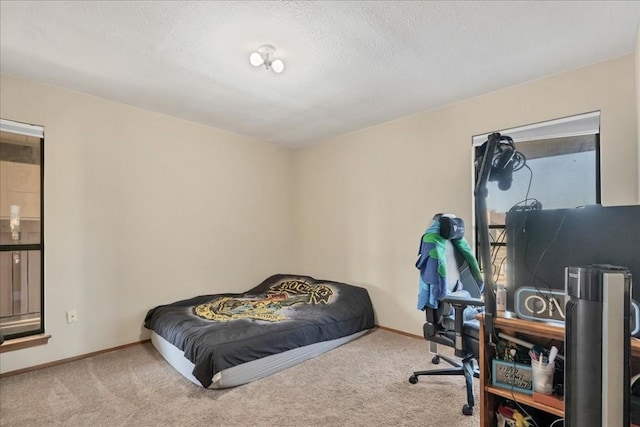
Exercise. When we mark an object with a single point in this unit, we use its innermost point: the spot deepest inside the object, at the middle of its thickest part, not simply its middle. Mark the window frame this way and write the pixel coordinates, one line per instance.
(12, 126)
(524, 134)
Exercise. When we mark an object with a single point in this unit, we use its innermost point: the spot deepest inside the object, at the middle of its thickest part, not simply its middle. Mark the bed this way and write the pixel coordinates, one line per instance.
(225, 340)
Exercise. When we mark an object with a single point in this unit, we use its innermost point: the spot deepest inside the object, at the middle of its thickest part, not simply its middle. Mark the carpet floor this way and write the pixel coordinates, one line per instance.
(362, 383)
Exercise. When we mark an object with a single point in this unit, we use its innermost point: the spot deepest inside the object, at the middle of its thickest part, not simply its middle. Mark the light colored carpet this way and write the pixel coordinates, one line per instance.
(362, 383)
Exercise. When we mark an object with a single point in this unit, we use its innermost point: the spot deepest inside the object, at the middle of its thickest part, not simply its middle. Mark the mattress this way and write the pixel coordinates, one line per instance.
(280, 322)
(249, 371)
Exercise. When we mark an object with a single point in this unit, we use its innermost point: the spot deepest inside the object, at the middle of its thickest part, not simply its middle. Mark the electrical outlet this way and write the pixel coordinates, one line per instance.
(72, 316)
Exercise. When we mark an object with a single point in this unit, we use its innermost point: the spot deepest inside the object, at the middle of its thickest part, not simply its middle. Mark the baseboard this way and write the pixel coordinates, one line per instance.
(70, 359)
(406, 334)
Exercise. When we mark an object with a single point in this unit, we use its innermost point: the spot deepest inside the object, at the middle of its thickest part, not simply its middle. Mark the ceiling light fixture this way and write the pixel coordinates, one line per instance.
(264, 56)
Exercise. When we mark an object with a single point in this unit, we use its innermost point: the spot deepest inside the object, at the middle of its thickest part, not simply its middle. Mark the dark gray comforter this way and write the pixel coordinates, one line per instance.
(284, 312)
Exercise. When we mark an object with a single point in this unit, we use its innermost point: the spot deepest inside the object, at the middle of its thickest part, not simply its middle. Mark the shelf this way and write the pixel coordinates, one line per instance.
(524, 399)
(545, 329)
(531, 330)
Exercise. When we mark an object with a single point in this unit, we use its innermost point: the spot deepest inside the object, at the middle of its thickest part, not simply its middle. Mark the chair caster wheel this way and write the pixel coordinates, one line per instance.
(467, 410)
(435, 360)
(413, 379)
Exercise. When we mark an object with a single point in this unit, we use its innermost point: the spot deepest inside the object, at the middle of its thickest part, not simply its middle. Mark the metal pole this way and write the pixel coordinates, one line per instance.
(480, 196)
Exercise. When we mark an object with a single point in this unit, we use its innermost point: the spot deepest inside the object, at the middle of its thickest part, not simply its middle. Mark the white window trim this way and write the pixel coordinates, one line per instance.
(582, 124)
(21, 128)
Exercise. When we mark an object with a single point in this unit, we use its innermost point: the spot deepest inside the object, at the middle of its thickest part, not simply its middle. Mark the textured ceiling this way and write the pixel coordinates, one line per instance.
(349, 65)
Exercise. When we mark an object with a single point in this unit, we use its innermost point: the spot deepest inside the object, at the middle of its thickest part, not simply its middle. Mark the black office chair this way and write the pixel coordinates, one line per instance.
(446, 324)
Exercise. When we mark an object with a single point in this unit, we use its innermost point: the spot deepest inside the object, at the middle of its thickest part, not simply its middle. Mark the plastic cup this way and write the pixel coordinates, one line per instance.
(543, 377)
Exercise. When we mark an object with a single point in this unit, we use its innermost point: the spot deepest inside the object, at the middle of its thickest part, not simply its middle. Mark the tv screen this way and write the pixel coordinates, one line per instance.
(541, 243)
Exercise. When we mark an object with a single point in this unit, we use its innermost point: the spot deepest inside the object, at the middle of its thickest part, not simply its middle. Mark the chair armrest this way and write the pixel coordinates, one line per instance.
(459, 303)
(462, 300)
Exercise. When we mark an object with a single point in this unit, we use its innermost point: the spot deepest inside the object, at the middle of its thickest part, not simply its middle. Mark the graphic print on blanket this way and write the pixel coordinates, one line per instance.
(265, 307)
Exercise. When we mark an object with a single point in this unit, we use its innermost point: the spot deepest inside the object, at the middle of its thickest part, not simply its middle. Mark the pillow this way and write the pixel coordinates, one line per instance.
(451, 228)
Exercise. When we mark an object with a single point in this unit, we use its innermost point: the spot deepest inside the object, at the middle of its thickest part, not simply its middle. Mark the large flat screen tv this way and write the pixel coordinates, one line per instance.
(541, 243)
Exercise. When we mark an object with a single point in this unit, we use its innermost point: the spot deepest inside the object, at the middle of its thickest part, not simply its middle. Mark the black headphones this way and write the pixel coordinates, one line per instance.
(505, 152)
(505, 161)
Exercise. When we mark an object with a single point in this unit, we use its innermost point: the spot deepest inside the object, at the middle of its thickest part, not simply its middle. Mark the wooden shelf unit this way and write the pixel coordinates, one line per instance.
(535, 332)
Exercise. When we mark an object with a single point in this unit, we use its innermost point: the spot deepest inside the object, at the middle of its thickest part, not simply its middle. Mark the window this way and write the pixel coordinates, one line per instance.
(562, 170)
(21, 229)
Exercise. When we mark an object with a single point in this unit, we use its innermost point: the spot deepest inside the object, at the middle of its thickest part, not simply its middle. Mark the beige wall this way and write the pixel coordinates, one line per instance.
(638, 102)
(363, 200)
(142, 209)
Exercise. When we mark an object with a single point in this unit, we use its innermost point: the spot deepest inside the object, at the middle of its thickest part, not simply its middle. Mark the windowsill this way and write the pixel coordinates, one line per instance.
(24, 342)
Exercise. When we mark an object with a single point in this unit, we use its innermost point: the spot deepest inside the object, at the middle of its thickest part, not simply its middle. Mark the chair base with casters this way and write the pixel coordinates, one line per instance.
(464, 367)
(457, 333)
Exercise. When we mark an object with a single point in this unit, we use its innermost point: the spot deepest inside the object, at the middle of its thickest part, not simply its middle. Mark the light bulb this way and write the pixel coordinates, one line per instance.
(277, 65)
(256, 59)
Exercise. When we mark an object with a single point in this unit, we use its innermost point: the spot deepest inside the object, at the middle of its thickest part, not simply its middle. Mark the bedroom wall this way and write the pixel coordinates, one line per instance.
(638, 101)
(364, 199)
(142, 209)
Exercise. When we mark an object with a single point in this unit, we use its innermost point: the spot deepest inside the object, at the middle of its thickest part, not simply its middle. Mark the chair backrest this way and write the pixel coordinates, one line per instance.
(459, 275)
(454, 261)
